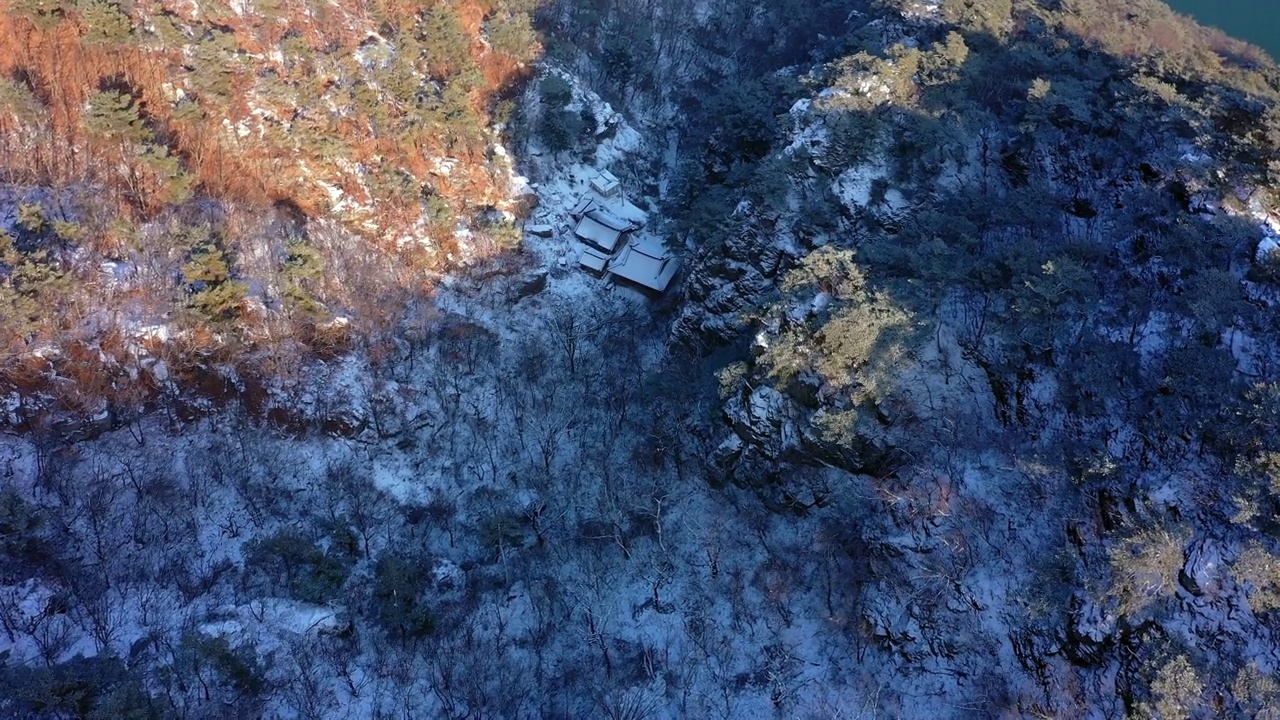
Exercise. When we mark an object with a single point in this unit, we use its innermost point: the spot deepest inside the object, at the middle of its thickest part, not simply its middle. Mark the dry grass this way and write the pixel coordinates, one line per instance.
(1146, 568)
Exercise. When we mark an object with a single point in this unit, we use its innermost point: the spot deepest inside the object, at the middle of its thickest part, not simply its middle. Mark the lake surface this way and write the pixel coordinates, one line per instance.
(1257, 21)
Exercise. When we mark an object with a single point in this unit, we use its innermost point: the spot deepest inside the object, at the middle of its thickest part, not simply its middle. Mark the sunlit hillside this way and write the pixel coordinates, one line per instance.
(240, 179)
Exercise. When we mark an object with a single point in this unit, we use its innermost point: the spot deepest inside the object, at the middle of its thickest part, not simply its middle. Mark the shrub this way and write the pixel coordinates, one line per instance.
(97, 688)
(555, 92)
(399, 594)
(21, 547)
(1261, 569)
(1175, 692)
(216, 663)
(502, 531)
(513, 35)
(560, 129)
(505, 234)
(861, 346)
(104, 23)
(1258, 694)
(1146, 568)
(730, 378)
(212, 291)
(291, 562)
(303, 266)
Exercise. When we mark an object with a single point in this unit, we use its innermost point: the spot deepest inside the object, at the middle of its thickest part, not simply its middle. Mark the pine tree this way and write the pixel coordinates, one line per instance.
(105, 23)
(211, 290)
(114, 115)
(44, 14)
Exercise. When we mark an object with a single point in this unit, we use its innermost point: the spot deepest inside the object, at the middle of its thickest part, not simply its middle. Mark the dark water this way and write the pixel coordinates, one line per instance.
(1257, 21)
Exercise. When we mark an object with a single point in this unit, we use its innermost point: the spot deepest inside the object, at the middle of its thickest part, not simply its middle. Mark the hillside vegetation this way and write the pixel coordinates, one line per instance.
(242, 182)
(964, 405)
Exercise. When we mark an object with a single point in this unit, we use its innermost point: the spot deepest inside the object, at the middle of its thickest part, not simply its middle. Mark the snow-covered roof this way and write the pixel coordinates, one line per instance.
(593, 259)
(615, 212)
(646, 262)
(620, 208)
(583, 205)
(610, 220)
(606, 184)
(597, 233)
(651, 247)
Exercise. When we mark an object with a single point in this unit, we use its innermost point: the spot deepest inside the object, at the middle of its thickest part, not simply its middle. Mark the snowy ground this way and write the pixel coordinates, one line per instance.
(535, 462)
(575, 558)
(544, 472)
(536, 465)
(547, 477)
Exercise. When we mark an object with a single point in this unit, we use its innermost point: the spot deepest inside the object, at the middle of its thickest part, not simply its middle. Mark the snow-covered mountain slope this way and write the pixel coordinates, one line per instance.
(961, 408)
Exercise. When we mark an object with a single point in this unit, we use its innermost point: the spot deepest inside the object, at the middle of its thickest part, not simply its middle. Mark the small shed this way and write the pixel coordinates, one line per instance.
(606, 184)
(646, 262)
(584, 204)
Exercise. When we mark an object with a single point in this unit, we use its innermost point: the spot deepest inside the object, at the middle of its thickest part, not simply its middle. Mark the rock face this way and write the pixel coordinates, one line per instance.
(762, 419)
(770, 434)
(723, 285)
(763, 436)
(728, 284)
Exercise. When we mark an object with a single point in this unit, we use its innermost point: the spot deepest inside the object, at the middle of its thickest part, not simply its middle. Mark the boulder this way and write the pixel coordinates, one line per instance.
(524, 204)
(1091, 631)
(158, 369)
(728, 451)
(758, 418)
(1202, 574)
(530, 285)
(447, 576)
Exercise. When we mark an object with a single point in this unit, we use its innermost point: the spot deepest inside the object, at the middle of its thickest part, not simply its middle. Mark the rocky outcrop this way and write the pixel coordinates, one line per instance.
(723, 285)
(1204, 573)
(1091, 634)
(769, 435)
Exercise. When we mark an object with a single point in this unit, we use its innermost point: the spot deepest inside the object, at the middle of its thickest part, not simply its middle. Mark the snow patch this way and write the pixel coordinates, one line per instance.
(1270, 237)
(853, 186)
